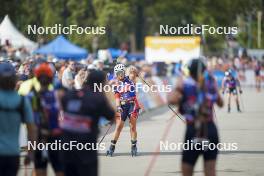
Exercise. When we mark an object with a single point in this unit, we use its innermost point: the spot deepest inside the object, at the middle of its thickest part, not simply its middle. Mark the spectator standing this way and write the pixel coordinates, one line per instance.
(69, 75)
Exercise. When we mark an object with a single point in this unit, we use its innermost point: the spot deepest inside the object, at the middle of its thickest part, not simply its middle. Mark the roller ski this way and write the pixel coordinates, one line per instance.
(111, 150)
(133, 148)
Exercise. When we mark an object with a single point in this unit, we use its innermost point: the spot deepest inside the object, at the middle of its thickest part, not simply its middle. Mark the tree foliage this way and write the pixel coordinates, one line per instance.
(126, 18)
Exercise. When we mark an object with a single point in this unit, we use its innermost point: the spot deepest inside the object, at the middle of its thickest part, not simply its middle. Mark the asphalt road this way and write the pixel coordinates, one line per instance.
(245, 129)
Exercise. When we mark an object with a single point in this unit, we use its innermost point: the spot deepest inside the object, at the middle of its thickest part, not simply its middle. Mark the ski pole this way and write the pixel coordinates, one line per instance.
(169, 106)
(111, 124)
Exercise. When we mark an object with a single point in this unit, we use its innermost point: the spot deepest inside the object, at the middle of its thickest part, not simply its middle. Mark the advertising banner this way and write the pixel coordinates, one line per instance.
(171, 49)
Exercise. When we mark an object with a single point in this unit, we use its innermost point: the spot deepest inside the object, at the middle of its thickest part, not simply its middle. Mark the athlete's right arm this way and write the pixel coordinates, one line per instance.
(117, 100)
(31, 135)
(239, 85)
(108, 111)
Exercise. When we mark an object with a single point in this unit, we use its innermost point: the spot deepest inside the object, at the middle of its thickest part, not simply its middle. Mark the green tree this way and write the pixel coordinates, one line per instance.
(117, 17)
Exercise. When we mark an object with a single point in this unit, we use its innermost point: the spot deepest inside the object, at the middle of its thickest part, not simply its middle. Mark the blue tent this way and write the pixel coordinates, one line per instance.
(62, 49)
(115, 53)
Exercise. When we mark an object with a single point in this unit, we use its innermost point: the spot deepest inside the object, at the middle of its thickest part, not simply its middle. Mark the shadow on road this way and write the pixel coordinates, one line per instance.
(179, 153)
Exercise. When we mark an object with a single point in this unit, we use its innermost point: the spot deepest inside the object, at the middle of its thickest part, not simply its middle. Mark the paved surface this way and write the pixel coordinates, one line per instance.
(246, 129)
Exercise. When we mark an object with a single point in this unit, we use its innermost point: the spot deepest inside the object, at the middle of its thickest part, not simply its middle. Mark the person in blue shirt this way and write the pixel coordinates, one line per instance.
(14, 110)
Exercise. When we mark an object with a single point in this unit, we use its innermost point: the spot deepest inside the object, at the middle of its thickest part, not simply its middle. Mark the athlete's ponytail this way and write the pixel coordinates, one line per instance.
(196, 67)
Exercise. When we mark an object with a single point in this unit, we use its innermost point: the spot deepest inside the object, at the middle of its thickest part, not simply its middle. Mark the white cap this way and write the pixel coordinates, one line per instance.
(91, 67)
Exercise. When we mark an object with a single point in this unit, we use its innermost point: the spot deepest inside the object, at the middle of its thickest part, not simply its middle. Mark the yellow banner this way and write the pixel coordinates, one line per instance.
(171, 49)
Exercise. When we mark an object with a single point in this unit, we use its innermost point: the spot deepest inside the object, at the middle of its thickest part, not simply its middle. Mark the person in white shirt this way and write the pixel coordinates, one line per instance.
(68, 76)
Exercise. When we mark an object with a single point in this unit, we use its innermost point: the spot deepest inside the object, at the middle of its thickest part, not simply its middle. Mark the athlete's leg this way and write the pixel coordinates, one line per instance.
(209, 168)
(187, 169)
(229, 102)
(119, 127)
(40, 164)
(55, 158)
(258, 83)
(237, 102)
(120, 120)
(133, 126)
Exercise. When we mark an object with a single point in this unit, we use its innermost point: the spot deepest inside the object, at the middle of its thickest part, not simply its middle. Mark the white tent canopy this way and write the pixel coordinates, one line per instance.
(9, 32)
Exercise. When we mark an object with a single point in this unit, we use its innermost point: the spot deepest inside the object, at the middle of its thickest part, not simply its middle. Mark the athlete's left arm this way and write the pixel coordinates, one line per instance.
(175, 96)
(238, 85)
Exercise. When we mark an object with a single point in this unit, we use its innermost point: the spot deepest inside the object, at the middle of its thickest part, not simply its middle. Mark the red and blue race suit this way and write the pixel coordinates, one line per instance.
(190, 97)
(204, 97)
(231, 84)
(125, 91)
(46, 111)
(46, 115)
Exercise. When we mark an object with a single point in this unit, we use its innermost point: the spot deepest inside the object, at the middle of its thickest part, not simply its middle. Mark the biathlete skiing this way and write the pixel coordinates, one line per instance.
(127, 105)
(257, 68)
(196, 95)
(232, 85)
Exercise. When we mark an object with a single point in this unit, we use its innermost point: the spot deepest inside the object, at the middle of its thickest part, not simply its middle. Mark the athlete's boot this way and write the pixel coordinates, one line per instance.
(111, 149)
(238, 108)
(133, 148)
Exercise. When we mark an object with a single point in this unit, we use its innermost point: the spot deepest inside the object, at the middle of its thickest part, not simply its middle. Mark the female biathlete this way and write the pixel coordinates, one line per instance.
(127, 105)
(232, 84)
(196, 96)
